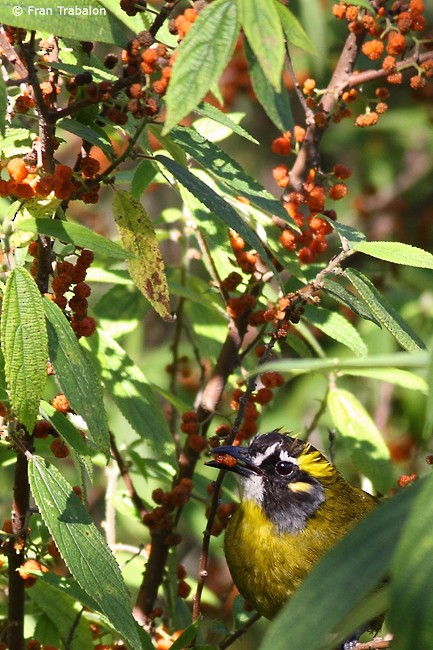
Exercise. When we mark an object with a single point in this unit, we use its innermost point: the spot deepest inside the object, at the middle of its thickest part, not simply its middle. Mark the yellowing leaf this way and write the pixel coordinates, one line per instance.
(138, 237)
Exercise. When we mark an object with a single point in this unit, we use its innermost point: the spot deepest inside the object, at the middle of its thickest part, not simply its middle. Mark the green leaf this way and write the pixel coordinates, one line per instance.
(4, 397)
(407, 380)
(384, 312)
(76, 234)
(143, 176)
(139, 237)
(82, 546)
(202, 56)
(345, 575)
(62, 613)
(187, 636)
(176, 152)
(76, 376)
(275, 103)
(361, 437)
(351, 235)
(64, 428)
(226, 170)
(411, 613)
(401, 359)
(93, 134)
(227, 120)
(428, 421)
(262, 27)
(120, 310)
(24, 345)
(133, 395)
(293, 30)
(337, 327)
(98, 24)
(362, 3)
(397, 253)
(347, 298)
(216, 204)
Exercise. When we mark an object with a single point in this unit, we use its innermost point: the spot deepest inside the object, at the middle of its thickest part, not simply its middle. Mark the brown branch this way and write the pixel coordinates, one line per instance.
(15, 548)
(162, 16)
(374, 644)
(308, 156)
(358, 78)
(12, 56)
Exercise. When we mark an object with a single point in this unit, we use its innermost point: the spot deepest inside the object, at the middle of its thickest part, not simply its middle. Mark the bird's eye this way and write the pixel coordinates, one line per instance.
(284, 468)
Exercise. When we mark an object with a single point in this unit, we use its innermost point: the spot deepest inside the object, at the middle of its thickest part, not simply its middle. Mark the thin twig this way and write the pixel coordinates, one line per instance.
(124, 473)
(225, 643)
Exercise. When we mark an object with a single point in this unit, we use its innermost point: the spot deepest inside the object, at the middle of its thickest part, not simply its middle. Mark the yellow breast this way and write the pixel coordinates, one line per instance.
(267, 566)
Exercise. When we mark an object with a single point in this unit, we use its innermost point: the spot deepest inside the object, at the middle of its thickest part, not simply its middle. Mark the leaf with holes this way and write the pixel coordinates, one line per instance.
(138, 237)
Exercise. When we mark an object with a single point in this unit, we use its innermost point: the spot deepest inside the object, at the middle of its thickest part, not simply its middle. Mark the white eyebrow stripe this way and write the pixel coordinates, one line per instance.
(259, 458)
(290, 459)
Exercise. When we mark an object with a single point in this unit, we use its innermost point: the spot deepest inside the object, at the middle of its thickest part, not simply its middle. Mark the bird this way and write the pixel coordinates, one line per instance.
(295, 505)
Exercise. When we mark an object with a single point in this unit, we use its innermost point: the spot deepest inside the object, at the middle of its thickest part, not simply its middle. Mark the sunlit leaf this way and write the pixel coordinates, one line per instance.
(24, 344)
(82, 546)
(361, 437)
(262, 27)
(201, 58)
(396, 252)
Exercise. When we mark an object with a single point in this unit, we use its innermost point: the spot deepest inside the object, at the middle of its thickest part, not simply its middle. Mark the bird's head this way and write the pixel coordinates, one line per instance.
(283, 475)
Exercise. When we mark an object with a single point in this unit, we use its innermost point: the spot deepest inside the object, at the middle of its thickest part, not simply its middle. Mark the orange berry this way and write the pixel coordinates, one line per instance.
(281, 146)
(190, 14)
(339, 11)
(316, 199)
(31, 565)
(396, 43)
(299, 133)
(281, 175)
(264, 395)
(17, 169)
(287, 239)
(61, 403)
(306, 255)
(309, 86)
(373, 49)
(338, 191)
(416, 7)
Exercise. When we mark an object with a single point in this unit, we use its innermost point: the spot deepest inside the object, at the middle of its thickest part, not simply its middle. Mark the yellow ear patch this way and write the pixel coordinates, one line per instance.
(300, 486)
(315, 464)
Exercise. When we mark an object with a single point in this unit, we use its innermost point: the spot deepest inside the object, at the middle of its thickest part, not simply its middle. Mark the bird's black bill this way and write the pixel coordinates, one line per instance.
(244, 465)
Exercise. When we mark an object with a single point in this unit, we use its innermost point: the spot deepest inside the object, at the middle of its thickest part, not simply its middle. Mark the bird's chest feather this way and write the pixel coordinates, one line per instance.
(267, 566)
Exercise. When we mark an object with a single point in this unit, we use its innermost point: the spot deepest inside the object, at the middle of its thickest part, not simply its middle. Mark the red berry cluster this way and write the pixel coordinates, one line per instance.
(305, 208)
(27, 181)
(29, 566)
(222, 517)
(148, 64)
(260, 397)
(161, 517)
(394, 36)
(69, 275)
(246, 260)
(183, 588)
(191, 426)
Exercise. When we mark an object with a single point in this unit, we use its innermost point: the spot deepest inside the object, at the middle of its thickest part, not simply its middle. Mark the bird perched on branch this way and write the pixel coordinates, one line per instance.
(295, 505)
